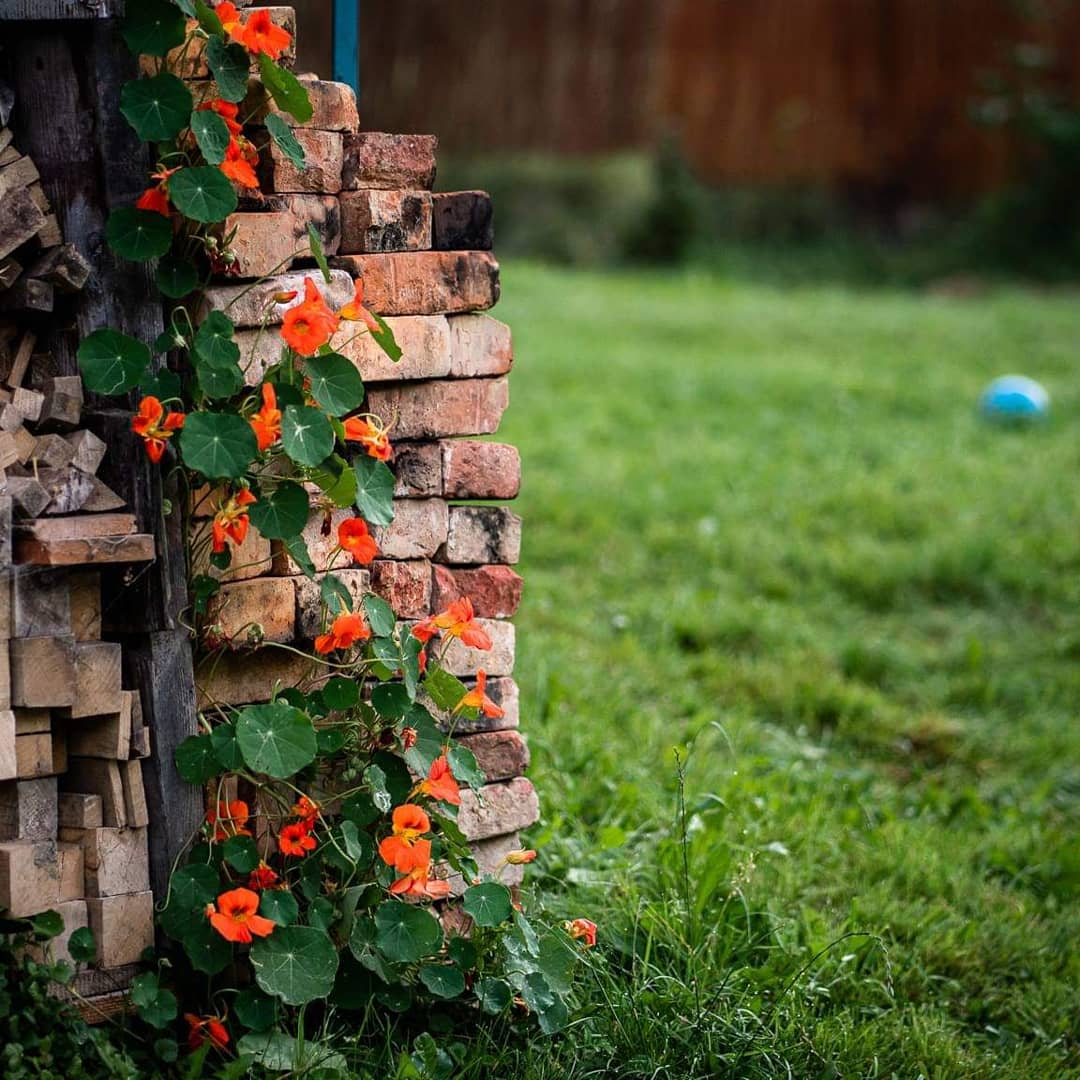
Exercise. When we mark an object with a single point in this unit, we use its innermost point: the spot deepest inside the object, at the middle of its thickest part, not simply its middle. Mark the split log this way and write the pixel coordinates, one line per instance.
(63, 267)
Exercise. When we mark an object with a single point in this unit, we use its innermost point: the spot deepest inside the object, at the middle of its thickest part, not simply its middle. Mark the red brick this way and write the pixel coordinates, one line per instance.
(322, 164)
(247, 613)
(479, 345)
(242, 678)
(427, 410)
(309, 607)
(373, 221)
(480, 470)
(501, 755)
(462, 221)
(495, 591)
(320, 542)
(322, 211)
(464, 661)
(425, 344)
(249, 559)
(404, 584)
(417, 531)
(417, 470)
(262, 242)
(498, 809)
(426, 282)
(333, 106)
(490, 856)
(374, 159)
(254, 305)
(482, 534)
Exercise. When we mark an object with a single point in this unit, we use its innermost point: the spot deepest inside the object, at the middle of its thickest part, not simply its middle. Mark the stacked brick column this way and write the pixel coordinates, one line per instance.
(426, 266)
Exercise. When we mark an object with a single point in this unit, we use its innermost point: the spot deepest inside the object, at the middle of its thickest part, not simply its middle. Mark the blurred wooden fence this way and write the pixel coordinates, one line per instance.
(870, 95)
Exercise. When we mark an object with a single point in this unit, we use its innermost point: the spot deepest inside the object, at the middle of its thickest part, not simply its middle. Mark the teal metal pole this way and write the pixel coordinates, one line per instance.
(347, 43)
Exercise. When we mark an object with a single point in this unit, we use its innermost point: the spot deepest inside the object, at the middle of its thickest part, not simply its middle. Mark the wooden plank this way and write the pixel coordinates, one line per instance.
(79, 527)
(137, 547)
(81, 10)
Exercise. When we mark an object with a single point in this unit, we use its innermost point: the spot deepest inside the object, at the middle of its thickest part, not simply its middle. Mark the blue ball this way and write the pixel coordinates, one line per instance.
(1015, 397)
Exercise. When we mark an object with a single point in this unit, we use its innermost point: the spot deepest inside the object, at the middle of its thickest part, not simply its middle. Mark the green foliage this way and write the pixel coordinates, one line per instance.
(488, 903)
(374, 490)
(306, 434)
(296, 964)
(176, 277)
(138, 235)
(405, 933)
(111, 362)
(228, 64)
(281, 513)
(202, 193)
(282, 134)
(211, 134)
(158, 108)
(218, 445)
(275, 739)
(153, 27)
(288, 93)
(335, 384)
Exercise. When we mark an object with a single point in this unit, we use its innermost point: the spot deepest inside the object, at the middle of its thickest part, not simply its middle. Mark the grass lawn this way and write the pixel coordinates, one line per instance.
(766, 531)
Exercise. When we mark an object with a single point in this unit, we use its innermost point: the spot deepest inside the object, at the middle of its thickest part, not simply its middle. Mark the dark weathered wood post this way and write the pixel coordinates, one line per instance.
(66, 63)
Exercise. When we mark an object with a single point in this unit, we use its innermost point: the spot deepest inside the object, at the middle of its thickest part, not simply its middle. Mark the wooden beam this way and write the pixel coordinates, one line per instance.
(16, 10)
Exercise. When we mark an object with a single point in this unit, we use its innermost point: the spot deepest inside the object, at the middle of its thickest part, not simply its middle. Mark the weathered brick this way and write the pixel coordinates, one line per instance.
(480, 470)
(374, 159)
(501, 755)
(254, 305)
(309, 611)
(479, 345)
(374, 221)
(28, 809)
(247, 613)
(321, 537)
(322, 164)
(417, 470)
(431, 410)
(461, 659)
(333, 106)
(417, 531)
(503, 691)
(322, 211)
(29, 876)
(482, 534)
(425, 347)
(194, 58)
(405, 585)
(123, 927)
(249, 559)
(263, 242)
(490, 856)
(462, 221)
(242, 678)
(495, 591)
(425, 282)
(501, 808)
(115, 860)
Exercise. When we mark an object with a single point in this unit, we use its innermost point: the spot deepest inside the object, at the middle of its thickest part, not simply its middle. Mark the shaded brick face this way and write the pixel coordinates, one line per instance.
(374, 159)
(462, 221)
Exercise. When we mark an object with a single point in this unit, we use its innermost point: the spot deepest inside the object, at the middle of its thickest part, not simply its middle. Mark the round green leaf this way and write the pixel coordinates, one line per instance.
(281, 514)
(306, 435)
(295, 963)
(335, 384)
(541, 998)
(47, 924)
(111, 362)
(153, 27)
(273, 1050)
(176, 277)
(207, 950)
(190, 890)
(202, 193)
(276, 739)
(157, 108)
(241, 853)
(282, 134)
(196, 760)
(443, 981)
(82, 946)
(374, 490)
(167, 1049)
(495, 995)
(341, 693)
(254, 1009)
(138, 235)
(219, 380)
(156, 1006)
(219, 445)
(211, 133)
(380, 616)
(226, 748)
(406, 933)
(488, 904)
(214, 340)
(229, 65)
(279, 906)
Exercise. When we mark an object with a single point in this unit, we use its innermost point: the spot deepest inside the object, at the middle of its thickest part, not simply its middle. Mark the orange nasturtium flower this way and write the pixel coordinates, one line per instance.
(238, 162)
(306, 809)
(296, 839)
(260, 35)
(440, 783)
(203, 1028)
(231, 521)
(353, 536)
(519, 856)
(266, 423)
(370, 435)
(310, 325)
(235, 917)
(230, 19)
(583, 930)
(262, 877)
(155, 199)
(155, 426)
(418, 883)
(406, 850)
(478, 699)
(457, 621)
(229, 819)
(227, 110)
(354, 310)
(345, 631)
